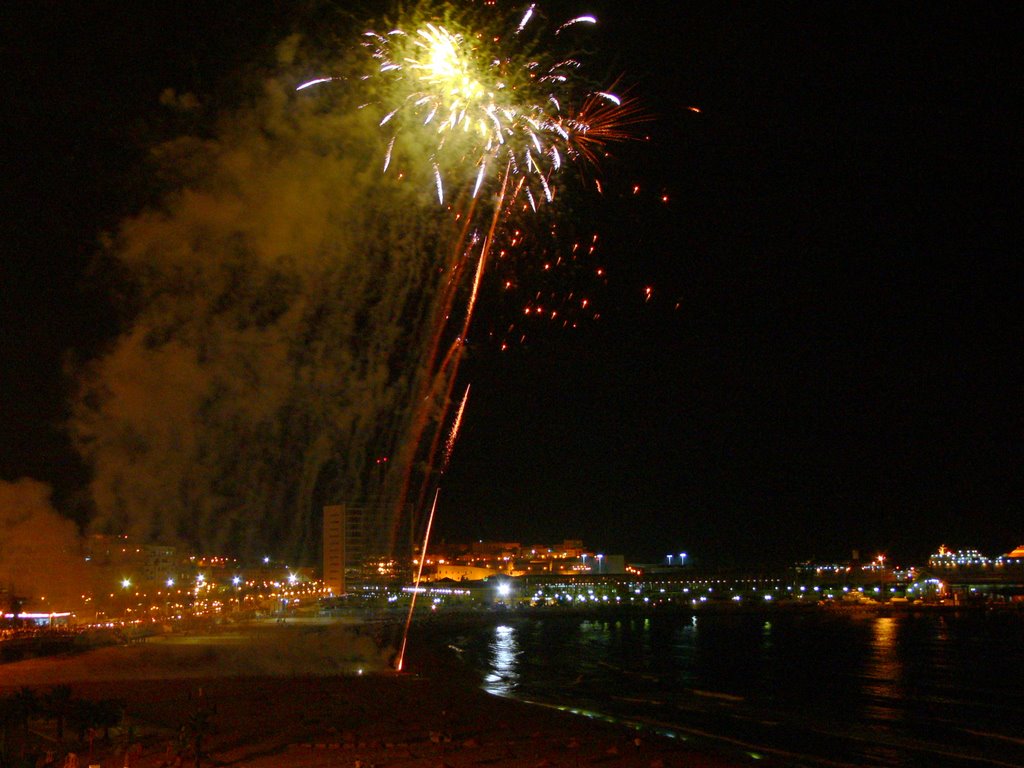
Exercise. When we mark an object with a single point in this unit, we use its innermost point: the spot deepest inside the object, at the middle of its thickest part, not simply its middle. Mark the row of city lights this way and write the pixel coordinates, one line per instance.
(201, 581)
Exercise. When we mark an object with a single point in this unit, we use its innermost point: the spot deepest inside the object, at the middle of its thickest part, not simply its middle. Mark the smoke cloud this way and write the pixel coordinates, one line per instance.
(40, 550)
(282, 287)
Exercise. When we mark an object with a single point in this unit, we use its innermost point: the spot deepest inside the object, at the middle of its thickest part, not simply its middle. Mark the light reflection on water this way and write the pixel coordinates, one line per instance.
(503, 675)
(884, 690)
(883, 671)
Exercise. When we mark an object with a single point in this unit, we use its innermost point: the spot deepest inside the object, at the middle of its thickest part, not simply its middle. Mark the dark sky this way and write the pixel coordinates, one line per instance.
(844, 368)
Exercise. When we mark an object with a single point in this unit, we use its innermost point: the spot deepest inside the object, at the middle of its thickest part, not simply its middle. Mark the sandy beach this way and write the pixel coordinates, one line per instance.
(312, 697)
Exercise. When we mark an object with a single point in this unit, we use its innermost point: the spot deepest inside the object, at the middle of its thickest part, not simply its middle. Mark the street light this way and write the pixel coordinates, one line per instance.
(600, 562)
(682, 558)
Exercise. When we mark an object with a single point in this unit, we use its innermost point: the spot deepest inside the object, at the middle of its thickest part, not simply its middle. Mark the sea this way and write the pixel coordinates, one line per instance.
(818, 688)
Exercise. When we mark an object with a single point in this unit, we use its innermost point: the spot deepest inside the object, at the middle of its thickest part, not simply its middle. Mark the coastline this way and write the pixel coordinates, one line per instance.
(293, 697)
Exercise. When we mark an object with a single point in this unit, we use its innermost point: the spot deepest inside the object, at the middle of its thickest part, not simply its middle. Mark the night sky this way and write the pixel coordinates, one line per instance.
(831, 355)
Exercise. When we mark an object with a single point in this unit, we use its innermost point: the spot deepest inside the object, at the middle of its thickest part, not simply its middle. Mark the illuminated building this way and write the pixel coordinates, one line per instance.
(481, 559)
(334, 548)
(119, 556)
(495, 549)
(962, 558)
(365, 543)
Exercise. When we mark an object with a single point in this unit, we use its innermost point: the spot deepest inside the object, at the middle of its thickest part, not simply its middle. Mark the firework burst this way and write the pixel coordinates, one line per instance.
(485, 103)
(481, 96)
(486, 110)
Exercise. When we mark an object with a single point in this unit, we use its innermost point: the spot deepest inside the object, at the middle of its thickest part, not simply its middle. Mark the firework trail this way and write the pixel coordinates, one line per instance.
(449, 446)
(487, 113)
(448, 369)
(400, 659)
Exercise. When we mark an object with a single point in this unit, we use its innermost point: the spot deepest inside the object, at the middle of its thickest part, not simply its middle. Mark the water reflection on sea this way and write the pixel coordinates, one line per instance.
(807, 689)
(503, 677)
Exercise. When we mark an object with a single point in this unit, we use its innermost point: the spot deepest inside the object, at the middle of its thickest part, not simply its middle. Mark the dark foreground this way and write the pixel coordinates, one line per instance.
(293, 697)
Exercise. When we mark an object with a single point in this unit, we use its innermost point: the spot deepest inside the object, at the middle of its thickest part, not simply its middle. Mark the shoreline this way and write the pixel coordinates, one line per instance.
(290, 697)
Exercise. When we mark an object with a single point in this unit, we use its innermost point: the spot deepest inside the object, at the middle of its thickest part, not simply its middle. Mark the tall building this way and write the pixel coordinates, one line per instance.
(334, 548)
(365, 543)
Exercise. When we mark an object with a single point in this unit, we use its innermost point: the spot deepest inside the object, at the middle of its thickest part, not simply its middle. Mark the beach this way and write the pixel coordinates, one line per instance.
(318, 696)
